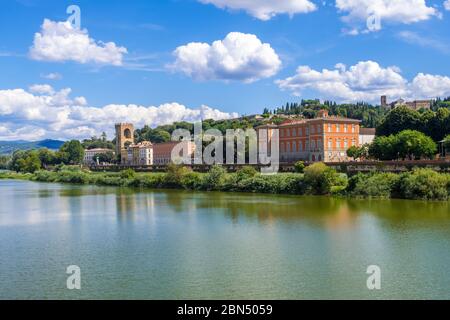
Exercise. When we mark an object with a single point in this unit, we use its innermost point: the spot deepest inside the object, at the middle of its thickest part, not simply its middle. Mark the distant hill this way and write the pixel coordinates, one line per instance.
(8, 147)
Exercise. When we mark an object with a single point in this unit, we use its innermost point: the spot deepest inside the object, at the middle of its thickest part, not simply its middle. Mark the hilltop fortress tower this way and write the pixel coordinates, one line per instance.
(124, 138)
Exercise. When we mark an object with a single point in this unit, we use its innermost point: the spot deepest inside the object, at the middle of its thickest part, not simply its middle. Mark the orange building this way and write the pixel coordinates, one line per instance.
(325, 138)
(162, 152)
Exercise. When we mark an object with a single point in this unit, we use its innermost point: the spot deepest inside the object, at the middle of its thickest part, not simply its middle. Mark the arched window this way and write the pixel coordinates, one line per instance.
(127, 133)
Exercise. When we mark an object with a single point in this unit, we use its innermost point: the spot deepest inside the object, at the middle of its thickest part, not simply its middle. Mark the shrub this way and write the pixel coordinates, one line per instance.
(174, 175)
(246, 172)
(424, 184)
(45, 176)
(128, 174)
(73, 177)
(338, 190)
(378, 185)
(63, 167)
(192, 181)
(319, 178)
(299, 167)
(108, 180)
(215, 178)
(281, 183)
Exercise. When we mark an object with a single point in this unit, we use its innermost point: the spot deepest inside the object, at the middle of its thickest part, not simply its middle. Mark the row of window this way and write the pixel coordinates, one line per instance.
(313, 129)
(338, 143)
(300, 146)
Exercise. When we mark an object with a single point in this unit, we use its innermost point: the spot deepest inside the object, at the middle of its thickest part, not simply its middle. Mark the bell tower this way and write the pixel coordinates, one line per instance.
(124, 137)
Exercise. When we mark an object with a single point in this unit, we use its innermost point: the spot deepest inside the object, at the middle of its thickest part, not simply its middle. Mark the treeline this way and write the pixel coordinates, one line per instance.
(30, 161)
(317, 179)
(406, 145)
(96, 142)
(371, 116)
(163, 133)
(435, 124)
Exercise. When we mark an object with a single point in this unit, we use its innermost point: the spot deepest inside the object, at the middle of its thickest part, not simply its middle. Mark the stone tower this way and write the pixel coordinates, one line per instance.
(124, 137)
(384, 102)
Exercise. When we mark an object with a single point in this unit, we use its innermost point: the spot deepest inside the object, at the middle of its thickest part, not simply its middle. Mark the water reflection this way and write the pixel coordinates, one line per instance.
(167, 244)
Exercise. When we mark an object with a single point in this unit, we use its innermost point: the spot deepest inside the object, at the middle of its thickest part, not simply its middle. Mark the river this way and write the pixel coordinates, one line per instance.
(132, 244)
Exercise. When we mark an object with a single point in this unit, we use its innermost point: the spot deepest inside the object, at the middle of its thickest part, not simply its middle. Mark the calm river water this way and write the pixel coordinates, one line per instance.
(181, 245)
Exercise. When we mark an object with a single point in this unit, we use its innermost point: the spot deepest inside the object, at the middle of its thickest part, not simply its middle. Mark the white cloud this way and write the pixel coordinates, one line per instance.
(365, 81)
(54, 114)
(41, 89)
(60, 41)
(398, 11)
(238, 57)
(52, 76)
(265, 9)
(430, 86)
(447, 5)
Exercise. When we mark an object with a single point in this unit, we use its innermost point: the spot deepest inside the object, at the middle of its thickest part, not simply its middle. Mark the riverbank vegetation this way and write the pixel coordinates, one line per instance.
(317, 179)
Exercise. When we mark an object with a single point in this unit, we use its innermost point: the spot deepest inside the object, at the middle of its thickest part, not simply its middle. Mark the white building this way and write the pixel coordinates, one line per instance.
(141, 154)
(89, 155)
(366, 136)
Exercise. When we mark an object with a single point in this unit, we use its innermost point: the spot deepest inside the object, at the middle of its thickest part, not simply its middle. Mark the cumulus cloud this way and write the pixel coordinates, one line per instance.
(46, 113)
(428, 85)
(265, 9)
(365, 81)
(60, 41)
(239, 56)
(399, 11)
(447, 5)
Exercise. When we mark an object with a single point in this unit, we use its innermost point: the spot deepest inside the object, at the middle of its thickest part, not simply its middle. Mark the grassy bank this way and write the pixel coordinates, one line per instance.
(423, 184)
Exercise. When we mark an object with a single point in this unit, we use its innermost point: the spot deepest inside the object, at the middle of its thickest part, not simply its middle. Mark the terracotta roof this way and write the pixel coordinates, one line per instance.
(367, 131)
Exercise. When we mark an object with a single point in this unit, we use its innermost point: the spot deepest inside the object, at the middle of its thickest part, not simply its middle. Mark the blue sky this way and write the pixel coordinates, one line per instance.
(255, 63)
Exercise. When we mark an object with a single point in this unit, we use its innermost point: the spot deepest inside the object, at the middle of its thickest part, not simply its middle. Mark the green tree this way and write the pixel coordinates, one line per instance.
(106, 157)
(94, 143)
(4, 162)
(320, 178)
(415, 145)
(156, 136)
(447, 142)
(384, 148)
(358, 152)
(47, 157)
(72, 152)
(25, 161)
(353, 152)
(399, 119)
(408, 144)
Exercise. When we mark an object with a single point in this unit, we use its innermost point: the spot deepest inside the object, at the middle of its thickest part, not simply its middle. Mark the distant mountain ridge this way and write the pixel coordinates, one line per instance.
(8, 147)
